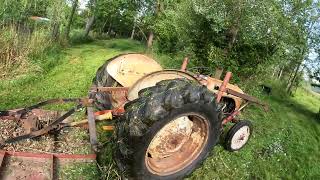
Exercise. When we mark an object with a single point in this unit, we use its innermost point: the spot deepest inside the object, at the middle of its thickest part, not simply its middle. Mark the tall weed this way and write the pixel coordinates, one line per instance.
(17, 48)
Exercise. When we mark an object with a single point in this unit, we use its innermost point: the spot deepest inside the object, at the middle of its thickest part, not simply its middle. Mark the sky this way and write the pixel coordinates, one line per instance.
(83, 4)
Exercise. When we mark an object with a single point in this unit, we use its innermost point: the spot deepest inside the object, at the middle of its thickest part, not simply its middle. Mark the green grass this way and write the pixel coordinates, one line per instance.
(285, 143)
(68, 74)
(79, 171)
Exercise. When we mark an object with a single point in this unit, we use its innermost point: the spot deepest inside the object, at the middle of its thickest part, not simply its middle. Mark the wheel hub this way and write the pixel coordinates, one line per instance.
(240, 138)
(171, 137)
(177, 144)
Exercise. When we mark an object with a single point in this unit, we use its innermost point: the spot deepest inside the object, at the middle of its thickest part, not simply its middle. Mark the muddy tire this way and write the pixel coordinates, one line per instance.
(102, 100)
(167, 132)
(238, 135)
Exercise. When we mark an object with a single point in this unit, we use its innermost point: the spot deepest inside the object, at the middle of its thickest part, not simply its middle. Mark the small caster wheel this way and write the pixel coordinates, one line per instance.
(238, 135)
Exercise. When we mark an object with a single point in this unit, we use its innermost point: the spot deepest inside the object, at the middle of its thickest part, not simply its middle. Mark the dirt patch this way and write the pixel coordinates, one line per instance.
(24, 168)
(73, 141)
(9, 128)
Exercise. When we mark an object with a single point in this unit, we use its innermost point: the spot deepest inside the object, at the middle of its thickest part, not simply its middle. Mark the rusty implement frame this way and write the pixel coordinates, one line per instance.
(222, 89)
(122, 96)
(91, 115)
(37, 165)
(19, 114)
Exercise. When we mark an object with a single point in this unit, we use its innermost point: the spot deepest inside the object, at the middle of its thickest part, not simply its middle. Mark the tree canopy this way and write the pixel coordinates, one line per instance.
(249, 38)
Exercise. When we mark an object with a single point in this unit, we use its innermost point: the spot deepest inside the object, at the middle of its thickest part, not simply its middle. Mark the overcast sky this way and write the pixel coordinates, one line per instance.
(83, 3)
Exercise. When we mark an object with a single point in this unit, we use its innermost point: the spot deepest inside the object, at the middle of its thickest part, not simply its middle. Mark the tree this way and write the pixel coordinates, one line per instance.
(56, 13)
(74, 7)
(156, 9)
(90, 21)
(223, 33)
(248, 38)
(305, 16)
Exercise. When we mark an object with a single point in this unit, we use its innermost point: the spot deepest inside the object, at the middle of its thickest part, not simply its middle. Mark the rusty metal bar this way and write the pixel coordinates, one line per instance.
(233, 114)
(112, 89)
(230, 117)
(223, 87)
(54, 158)
(92, 129)
(2, 159)
(116, 112)
(184, 64)
(19, 112)
(247, 98)
(2, 156)
(48, 155)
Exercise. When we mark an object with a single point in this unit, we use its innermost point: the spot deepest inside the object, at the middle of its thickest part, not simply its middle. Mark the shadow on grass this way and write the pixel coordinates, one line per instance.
(296, 107)
(125, 45)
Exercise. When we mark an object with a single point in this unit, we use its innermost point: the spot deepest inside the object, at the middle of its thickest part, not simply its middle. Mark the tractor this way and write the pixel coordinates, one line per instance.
(172, 118)
(167, 121)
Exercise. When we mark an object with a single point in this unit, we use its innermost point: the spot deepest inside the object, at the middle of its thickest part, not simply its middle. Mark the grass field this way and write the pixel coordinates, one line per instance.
(285, 143)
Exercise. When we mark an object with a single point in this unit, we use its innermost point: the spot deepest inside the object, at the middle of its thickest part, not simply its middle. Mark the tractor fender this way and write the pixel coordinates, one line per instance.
(154, 77)
(126, 69)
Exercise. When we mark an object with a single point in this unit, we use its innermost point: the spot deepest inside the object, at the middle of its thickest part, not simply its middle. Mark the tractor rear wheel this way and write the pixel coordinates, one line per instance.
(168, 131)
(102, 100)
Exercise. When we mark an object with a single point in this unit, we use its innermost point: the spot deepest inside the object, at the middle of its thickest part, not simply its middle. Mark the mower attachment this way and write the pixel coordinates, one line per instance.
(21, 113)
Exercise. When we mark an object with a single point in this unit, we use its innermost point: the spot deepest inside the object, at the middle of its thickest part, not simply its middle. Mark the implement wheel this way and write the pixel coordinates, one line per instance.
(238, 136)
(168, 131)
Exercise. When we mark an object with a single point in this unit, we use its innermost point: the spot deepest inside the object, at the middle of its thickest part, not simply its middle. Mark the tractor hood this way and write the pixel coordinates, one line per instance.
(128, 68)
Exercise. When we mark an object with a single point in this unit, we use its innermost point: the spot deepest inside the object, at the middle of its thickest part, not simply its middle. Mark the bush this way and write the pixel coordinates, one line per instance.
(77, 37)
(17, 47)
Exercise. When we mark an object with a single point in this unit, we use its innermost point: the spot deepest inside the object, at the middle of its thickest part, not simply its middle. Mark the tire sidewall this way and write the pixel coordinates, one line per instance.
(206, 111)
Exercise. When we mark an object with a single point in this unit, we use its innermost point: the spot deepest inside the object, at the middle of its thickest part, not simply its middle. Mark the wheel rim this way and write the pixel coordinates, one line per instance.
(240, 138)
(177, 144)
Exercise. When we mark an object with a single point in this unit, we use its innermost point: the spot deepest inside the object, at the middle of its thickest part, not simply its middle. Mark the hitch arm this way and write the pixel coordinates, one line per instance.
(247, 98)
(20, 112)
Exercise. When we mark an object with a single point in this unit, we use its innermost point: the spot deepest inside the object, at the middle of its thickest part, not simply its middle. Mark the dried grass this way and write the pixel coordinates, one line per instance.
(16, 48)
